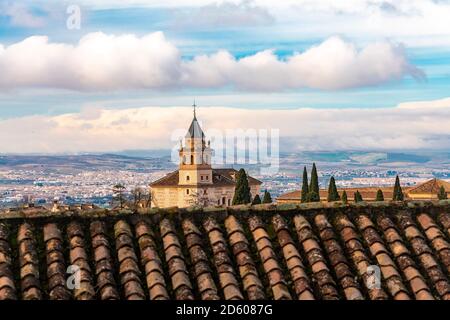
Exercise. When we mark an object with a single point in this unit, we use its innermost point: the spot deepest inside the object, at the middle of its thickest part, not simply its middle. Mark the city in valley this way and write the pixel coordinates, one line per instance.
(78, 179)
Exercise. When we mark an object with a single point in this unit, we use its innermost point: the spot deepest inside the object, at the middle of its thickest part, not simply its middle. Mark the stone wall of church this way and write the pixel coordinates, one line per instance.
(188, 196)
(164, 197)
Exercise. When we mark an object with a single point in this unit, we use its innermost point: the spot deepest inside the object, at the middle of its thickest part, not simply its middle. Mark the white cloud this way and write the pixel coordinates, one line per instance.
(224, 14)
(107, 62)
(413, 125)
(20, 15)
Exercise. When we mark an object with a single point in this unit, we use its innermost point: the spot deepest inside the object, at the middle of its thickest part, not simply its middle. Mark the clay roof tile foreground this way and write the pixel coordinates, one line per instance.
(295, 252)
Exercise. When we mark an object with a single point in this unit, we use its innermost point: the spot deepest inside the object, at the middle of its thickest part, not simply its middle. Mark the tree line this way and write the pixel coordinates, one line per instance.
(310, 191)
(242, 194)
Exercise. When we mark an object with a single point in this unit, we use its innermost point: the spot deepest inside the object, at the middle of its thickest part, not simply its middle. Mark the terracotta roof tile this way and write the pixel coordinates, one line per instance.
(78, 257)
(306, 253)
(315, 258)
(175, 259)
(205, 282)
(104, 265)
(424, 255)
(268, 259)
(339, 262)
(29, 264)
(359, 258)
(7, 286)
(222, 261)
(246, 265)
(56, 269)
(444, 220)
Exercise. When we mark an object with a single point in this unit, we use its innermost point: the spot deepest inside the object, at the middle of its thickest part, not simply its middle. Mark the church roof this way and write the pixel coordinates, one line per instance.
(195, 131)
(221, 177)
(431, 186)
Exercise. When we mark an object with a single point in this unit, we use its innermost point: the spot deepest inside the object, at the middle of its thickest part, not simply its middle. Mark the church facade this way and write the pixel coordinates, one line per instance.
(196, 182)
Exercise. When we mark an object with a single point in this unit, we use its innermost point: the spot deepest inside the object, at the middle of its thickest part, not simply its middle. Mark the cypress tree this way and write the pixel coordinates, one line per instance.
(333, 194)
(314, 192)
(344, 197)
(398, 193)
(242, 191)
(380, 196)
(256, 200)
(357, 196)
(305, 188)
(267, 198)
(442, 194)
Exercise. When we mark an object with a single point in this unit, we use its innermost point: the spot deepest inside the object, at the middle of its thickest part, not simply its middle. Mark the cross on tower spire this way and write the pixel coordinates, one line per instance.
(194, 105)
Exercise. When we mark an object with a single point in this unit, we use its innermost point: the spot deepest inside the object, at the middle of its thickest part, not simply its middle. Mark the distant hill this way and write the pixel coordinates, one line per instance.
(85, 161)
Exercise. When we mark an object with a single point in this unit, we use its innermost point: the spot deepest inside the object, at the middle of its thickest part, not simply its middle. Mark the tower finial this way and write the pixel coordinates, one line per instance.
(194, 105)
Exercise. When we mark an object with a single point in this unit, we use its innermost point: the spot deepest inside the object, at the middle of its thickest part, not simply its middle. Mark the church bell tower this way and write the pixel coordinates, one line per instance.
(195, 157)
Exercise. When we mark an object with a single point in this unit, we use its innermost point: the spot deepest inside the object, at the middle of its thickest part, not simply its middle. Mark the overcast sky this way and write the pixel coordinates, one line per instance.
(376, 72)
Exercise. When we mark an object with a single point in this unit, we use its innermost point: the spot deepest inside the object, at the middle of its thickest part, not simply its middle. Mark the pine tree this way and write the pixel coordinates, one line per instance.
(314, 192)
(313, 197)
(357, 196)
(118, 194)
(267, 198)
(442, 194)
(380, 196)
(344, 197)
(333, 194)
(242, 191)
(398, 193)
(256, 200)
(305, 188)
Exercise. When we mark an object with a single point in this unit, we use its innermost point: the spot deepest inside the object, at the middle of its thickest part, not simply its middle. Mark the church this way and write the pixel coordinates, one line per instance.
(196, 182)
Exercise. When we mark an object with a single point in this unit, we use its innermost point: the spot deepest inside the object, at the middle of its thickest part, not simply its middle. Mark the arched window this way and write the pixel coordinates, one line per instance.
(187, 191)
(187, 178)
(192, 159)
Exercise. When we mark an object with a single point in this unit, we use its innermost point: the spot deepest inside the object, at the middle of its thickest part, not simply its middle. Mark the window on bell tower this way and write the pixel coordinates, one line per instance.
(192, 159)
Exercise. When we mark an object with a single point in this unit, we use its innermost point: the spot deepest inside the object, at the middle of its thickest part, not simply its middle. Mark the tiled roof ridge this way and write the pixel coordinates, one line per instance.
(22, 214)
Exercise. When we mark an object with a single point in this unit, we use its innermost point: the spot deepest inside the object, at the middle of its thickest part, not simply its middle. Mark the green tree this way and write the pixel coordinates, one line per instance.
(357, 196)
(333, 194)
(242, 191)
(398, 193)
(380, 195)
(314, 192)
(344, 197)
(118, 194)
(305, 188)
(256, 199)
(442, 194)
(267, 198)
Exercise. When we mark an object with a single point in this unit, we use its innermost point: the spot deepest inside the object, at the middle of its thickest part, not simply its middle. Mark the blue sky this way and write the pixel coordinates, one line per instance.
(394, 51)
